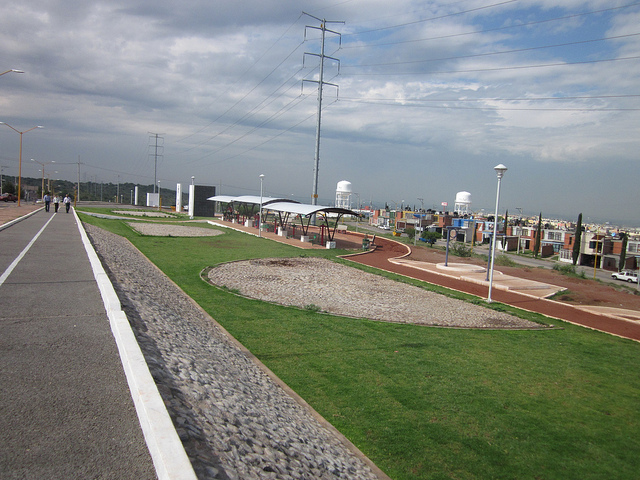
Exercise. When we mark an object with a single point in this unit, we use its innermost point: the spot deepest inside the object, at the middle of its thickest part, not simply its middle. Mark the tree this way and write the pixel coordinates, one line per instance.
(411, 232)
(623, 251)
(431, 237)
(506, 222)
(577, 240)
(8, 187)
(536, 247)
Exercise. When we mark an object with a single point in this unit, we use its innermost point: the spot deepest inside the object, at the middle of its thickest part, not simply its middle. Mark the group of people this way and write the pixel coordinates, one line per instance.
(56, 202)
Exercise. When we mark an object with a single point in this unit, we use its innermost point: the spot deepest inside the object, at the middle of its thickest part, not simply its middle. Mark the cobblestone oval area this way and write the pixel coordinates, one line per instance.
(342, 290)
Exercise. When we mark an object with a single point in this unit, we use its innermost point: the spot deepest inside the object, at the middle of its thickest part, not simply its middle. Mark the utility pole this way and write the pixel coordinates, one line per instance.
(77, 199)
(323, 28)
(158, 148)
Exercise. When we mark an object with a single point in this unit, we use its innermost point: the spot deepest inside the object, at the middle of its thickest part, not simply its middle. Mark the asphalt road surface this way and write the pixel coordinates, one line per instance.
(66, 409)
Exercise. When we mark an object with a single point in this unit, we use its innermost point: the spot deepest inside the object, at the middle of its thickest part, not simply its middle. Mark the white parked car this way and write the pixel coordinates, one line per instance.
(626, 276)
(385, 227)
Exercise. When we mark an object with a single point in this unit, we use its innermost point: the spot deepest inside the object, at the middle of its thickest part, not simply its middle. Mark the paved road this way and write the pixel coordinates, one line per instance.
(65, 407)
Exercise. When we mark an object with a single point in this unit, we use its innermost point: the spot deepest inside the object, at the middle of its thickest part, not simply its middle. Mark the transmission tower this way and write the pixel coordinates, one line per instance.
(321, 83)
(156, 143)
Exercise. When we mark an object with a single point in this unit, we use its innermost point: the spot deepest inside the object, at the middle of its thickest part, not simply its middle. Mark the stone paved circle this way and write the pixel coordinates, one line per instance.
(344, 290)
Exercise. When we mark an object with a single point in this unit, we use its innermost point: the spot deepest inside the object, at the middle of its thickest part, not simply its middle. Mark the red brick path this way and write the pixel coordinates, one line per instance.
(387, 249)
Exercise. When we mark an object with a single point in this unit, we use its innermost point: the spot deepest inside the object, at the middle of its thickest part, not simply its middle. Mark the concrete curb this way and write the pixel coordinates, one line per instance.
(167, 452)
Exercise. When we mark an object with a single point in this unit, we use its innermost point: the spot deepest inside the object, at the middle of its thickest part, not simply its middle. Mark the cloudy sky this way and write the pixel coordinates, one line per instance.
(427, 97)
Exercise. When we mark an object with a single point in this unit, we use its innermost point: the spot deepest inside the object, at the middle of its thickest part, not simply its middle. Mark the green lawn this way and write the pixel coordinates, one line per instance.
(431, 403)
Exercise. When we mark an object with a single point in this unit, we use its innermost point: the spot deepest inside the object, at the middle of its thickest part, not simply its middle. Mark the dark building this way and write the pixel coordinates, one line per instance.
(201, 206)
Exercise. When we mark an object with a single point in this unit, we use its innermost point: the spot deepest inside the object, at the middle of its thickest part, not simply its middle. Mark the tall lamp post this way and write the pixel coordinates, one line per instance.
(43, 164)
(260, 213)
(500, 169)
(20, 155)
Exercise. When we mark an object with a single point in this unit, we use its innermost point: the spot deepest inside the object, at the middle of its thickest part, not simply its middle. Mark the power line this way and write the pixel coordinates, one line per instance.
(494, 69)
(274, 136)
(244, 73)
(281, 111)
(474, 32)
(408, 103)
(503, 52)
(373, 30)
(500, 99)
(250, 113)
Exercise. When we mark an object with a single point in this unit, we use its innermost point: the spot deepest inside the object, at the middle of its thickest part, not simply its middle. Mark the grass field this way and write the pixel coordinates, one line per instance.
(432, 403)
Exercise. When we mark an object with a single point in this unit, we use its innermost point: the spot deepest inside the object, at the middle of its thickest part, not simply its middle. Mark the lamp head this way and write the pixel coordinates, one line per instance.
(500, 169)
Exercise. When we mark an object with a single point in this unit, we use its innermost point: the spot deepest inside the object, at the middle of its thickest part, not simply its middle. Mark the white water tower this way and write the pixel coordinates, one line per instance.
(343, 194)
(463, 203)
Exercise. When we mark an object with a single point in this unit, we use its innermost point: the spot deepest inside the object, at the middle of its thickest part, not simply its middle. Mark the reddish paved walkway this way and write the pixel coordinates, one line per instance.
(10, 211)
(387, 249)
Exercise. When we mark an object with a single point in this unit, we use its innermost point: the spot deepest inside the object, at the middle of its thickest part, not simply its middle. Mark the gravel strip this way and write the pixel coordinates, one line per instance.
(342, 290)
(146, 213)
(234, 420)
(166, 230)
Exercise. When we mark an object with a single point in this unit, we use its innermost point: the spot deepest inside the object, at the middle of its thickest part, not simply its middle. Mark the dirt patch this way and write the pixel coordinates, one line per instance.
(579, 291)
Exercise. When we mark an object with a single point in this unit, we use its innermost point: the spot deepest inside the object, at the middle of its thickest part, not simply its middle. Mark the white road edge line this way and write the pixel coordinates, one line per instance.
(167, 452)
(15, 263)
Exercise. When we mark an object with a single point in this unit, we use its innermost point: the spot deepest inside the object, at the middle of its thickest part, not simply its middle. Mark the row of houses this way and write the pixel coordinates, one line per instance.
(597, 249)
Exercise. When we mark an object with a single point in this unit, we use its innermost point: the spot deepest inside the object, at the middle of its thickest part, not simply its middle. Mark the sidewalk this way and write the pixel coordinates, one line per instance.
(475, 274)
(67, 408)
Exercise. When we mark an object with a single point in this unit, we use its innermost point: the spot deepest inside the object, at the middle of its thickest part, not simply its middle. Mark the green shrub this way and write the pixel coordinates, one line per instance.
(505, 261)
(460, 249)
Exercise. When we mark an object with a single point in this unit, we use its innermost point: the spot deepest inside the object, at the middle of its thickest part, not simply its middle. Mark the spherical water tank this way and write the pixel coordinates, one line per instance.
(343, 187)
(463, 197)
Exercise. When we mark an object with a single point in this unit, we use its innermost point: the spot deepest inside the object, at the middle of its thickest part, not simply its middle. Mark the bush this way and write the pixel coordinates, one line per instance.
(569, 270)
(505, 261)
(565, 269)
(460, 249)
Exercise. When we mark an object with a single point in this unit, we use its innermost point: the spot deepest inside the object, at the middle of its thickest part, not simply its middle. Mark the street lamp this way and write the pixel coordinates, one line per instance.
(20, 156)
(13, 70)
(260, 213)
(500, 169)
(43, 164)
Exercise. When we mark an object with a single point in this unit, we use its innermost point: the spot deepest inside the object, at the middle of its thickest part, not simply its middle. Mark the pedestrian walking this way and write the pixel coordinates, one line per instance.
(67, 202)
(56, 202)
(47, 202)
